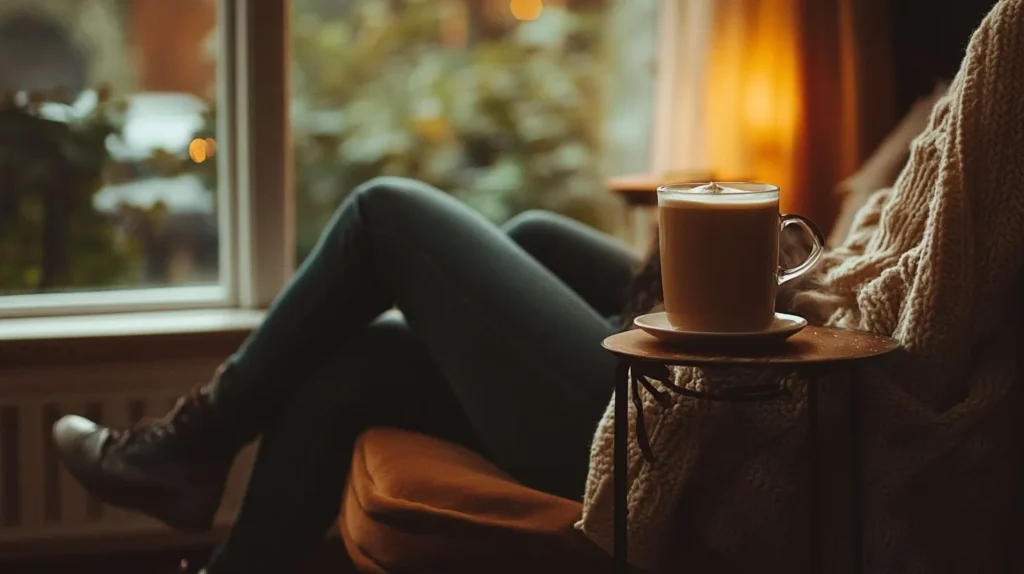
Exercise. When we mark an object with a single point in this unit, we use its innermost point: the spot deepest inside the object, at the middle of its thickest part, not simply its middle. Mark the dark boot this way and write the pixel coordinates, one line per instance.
(173, 469)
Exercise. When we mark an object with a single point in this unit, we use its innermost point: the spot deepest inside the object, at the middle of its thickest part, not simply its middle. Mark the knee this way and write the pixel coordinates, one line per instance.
(386, 191)
(392, 198)
(532, 227)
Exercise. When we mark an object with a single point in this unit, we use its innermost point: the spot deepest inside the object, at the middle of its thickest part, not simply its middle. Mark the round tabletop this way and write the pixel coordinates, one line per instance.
(642, 189)
(811, 346)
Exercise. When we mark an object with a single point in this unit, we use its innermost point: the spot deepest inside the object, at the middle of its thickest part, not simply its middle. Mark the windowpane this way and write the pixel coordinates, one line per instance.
(507, 104)
(107, 144)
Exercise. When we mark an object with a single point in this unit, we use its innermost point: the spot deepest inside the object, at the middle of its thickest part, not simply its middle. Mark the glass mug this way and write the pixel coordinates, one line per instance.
(720, 254)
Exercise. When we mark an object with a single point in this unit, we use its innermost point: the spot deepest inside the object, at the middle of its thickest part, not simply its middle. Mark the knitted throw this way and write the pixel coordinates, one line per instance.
(934, 262)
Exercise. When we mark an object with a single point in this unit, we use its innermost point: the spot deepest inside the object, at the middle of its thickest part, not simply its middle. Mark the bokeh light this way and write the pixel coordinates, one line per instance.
(197, 150)
(526, 9)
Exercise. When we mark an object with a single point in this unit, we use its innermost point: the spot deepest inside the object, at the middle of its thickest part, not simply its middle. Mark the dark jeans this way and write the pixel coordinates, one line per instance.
(497, 347)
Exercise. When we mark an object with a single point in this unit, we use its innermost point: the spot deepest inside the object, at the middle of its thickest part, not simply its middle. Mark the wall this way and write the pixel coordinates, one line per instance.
(929, 40)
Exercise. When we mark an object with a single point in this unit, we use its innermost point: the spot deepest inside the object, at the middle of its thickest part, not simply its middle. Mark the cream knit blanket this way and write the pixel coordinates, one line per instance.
(934, 262)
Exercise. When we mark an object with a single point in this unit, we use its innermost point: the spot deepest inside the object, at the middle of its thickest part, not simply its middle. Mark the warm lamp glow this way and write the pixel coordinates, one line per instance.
(753, 94)
(760, 113)
(524, 10)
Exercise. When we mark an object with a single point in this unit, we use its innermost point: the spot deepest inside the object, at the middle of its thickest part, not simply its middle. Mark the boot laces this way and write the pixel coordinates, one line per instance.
(181, 417)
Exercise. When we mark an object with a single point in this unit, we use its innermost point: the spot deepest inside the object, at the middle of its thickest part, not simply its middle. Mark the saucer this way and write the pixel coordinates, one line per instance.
(783, 327)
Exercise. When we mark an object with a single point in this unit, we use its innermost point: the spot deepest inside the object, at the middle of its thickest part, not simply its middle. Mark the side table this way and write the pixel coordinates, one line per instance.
(813, 352)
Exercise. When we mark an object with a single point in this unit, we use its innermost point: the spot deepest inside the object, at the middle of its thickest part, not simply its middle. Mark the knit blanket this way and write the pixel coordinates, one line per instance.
(934, 262)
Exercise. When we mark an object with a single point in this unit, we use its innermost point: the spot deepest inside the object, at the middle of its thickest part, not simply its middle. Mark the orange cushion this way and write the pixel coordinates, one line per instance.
(415, 503)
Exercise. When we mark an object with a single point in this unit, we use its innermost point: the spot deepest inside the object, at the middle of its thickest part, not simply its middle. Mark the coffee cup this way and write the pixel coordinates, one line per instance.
(720, 255)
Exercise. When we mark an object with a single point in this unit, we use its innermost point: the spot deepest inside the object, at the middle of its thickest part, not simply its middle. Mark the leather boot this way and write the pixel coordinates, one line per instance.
(173, 469)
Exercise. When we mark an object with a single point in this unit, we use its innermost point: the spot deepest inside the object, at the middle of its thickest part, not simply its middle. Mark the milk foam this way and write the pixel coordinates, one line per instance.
(719, 194)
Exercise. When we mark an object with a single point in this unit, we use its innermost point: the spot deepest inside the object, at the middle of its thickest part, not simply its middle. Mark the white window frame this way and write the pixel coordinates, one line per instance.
(265, 214)
(253, 194)
(255, 185)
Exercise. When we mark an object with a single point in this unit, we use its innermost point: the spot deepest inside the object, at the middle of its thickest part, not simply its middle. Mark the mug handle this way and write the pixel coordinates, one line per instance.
(816, 251)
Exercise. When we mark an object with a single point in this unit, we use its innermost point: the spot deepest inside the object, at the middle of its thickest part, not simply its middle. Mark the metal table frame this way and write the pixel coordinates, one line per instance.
(813, 372)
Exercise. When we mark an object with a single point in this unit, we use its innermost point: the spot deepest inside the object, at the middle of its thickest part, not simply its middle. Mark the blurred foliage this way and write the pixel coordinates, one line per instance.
(52, 162)
(508, 121)
(506, 116)
(54, 159)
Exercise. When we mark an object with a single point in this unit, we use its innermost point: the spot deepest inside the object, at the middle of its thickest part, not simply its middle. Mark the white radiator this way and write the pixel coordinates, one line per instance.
(39, 501)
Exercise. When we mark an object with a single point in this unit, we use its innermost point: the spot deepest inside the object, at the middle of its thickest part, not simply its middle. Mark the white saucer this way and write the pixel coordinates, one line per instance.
(783, 327)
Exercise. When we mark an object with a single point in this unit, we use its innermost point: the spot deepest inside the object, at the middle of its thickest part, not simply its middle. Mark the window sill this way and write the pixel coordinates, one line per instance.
(124, 337)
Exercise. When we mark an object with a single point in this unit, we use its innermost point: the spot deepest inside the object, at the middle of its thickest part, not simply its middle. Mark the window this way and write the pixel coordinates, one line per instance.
(508, 105)
(161, 155)
(109, 151)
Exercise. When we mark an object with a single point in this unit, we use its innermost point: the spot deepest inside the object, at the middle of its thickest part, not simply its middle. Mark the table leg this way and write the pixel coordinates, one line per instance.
(814, 484)
(620, 464)
(856, 473)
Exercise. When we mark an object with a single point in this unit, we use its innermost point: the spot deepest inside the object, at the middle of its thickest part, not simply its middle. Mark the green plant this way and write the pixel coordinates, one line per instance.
(507, 121)
(54, 159)
(51, 166)
(511, 123)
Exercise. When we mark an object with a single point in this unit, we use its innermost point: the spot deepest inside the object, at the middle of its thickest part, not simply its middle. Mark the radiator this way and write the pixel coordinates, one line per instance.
(39, 500)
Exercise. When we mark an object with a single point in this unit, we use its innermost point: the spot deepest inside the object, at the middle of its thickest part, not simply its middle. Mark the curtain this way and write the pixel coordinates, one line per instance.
(752, 92)
(796, 93)
(847, 89)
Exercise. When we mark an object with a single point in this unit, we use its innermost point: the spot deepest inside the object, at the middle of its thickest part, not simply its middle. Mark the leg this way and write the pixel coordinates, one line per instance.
(814, 461)
(295, 488)
(856, 471)
(293, 495)
(518, 346)
(594, 265)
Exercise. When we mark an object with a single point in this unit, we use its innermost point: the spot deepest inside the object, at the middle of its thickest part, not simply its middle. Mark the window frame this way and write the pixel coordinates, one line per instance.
(256, 239)
(253, 197)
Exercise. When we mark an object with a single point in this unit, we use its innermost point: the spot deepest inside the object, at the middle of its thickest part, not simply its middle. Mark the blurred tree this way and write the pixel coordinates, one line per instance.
(505, 115)
(511, 122)
(52, 161)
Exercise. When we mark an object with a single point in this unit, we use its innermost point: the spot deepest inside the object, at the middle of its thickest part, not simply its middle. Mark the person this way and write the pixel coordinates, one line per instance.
(934, 262)
(495, 345)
